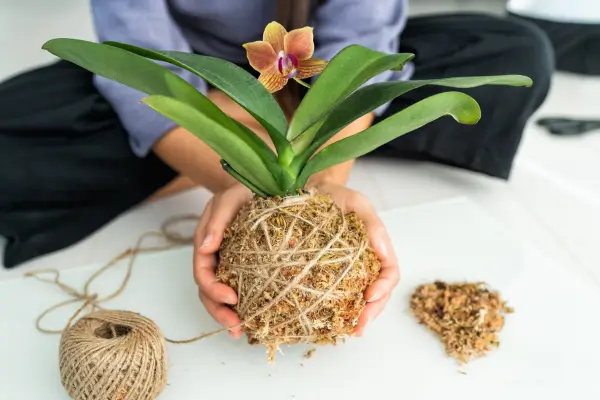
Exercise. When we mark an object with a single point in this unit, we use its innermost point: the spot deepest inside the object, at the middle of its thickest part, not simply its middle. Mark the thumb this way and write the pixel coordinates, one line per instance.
(223, 212)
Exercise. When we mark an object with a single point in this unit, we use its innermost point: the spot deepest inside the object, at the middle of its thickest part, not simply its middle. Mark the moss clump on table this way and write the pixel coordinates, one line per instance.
(466, 317)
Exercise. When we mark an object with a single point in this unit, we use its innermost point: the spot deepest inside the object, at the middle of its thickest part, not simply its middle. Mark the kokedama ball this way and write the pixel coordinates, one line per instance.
(300, 267)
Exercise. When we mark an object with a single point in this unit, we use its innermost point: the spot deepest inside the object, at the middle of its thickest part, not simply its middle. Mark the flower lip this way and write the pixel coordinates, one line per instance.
(287, 65)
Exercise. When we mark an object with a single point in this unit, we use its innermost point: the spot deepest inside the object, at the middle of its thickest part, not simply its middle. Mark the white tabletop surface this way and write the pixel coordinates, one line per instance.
(549, 347)
(545, 259)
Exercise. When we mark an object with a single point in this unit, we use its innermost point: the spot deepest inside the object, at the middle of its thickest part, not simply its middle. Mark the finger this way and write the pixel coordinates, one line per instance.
(369, 313)
(204, 267)
(378, 235)
(209, 285)
(201, 227)
(223, 212)
(388, 278)
(389, 275)
(223, 315)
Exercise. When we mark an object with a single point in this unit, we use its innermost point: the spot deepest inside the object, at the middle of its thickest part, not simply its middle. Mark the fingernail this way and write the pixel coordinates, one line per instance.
(383, 249)
(207, 241)
(376, 296)
(230, 300)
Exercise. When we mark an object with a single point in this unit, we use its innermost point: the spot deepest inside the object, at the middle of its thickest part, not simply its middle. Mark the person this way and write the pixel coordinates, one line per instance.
(574, 30)
(77, 150)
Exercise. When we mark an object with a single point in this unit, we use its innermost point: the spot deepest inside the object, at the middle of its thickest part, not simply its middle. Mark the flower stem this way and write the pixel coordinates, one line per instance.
(306, 85)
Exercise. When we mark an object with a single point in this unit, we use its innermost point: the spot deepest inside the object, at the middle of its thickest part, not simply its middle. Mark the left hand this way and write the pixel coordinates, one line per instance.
(378, 294)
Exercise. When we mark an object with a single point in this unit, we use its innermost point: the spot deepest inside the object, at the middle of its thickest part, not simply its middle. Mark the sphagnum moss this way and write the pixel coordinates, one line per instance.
(466, 317)
(300, 267)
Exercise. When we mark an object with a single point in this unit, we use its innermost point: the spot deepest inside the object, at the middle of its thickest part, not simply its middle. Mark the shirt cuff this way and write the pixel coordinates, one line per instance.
(144, 125)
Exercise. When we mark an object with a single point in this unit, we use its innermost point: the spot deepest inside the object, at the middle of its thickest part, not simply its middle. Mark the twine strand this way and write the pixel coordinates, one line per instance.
(173, 239)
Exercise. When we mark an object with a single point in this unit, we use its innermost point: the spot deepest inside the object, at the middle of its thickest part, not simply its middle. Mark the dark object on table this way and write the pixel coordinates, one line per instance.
(568, 126)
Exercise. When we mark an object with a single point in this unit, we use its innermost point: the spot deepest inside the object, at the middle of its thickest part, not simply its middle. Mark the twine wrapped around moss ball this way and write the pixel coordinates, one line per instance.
(300, 267)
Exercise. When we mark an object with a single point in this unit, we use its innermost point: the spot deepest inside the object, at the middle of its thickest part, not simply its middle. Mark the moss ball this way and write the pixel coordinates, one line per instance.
(300, 267)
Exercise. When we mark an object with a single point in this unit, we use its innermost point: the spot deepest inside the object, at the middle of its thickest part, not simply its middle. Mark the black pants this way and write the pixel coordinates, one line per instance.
(577, 51)
(66, 168)
(576, 46)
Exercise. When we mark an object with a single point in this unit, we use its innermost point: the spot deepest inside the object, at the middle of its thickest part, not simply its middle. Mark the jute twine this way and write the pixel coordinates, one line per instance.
(114, 354)
(300, 267)
(311, 293)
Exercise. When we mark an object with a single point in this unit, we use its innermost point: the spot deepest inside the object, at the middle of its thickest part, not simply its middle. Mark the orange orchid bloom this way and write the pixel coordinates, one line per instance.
(283, 55)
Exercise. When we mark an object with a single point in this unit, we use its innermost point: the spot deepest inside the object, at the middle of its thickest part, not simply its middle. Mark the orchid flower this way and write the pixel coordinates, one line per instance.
(283, 55)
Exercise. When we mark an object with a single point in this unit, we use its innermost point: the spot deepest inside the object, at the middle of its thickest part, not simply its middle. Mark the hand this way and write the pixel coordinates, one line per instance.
(223, 208)
(217, 215)
(378, 294)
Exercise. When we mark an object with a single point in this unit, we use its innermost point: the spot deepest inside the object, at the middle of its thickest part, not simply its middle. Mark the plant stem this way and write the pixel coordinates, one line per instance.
(306, 85)
(242, 180)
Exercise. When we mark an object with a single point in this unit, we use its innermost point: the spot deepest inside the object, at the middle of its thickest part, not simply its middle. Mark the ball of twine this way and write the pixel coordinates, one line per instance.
(300, 267)
(113, 355)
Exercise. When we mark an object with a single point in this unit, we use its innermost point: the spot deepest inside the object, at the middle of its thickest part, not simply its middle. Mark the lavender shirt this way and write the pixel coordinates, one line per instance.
(219, 28)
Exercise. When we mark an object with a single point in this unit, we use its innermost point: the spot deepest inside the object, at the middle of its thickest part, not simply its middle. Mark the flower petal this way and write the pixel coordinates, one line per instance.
(272, 80)
(300, 42)
(261, 55)
(275, 34)
(312, 67)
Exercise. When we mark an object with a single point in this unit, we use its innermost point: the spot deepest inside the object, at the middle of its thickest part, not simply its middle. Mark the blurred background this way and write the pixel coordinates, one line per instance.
(552, 199)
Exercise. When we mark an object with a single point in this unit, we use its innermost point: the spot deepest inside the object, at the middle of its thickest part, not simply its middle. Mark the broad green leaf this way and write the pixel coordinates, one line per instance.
(463, 108)
(151, 78)
(373, 96)
(242, 180)
(234, 151)
(347, 71)
(232, 80)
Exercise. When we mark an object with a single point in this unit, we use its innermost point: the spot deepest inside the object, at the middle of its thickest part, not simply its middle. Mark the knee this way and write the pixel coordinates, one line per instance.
(533, 53)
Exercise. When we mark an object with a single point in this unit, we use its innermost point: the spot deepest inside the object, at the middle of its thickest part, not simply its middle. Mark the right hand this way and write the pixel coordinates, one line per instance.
(218, 214)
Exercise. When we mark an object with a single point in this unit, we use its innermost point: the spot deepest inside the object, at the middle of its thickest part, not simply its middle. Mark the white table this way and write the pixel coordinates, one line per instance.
(549, 347)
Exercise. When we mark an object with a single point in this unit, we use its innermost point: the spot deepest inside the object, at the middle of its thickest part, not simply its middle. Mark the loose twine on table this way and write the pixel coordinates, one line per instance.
(349, 254)
(173, 239)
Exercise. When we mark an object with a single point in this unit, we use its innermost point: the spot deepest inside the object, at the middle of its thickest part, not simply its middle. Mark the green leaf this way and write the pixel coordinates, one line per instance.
(234, 150)
(234, 81)
(373, 96)
(131, 70)
(241, 179)
(463, 108)
(347, 71)
(151, 78)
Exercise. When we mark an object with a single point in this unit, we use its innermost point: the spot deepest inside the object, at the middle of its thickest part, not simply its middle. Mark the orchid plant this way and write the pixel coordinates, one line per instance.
(339, 95)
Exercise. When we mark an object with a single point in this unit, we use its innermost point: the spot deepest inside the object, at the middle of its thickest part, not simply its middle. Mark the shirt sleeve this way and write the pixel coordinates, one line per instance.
(144, 23)
(376, 24)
